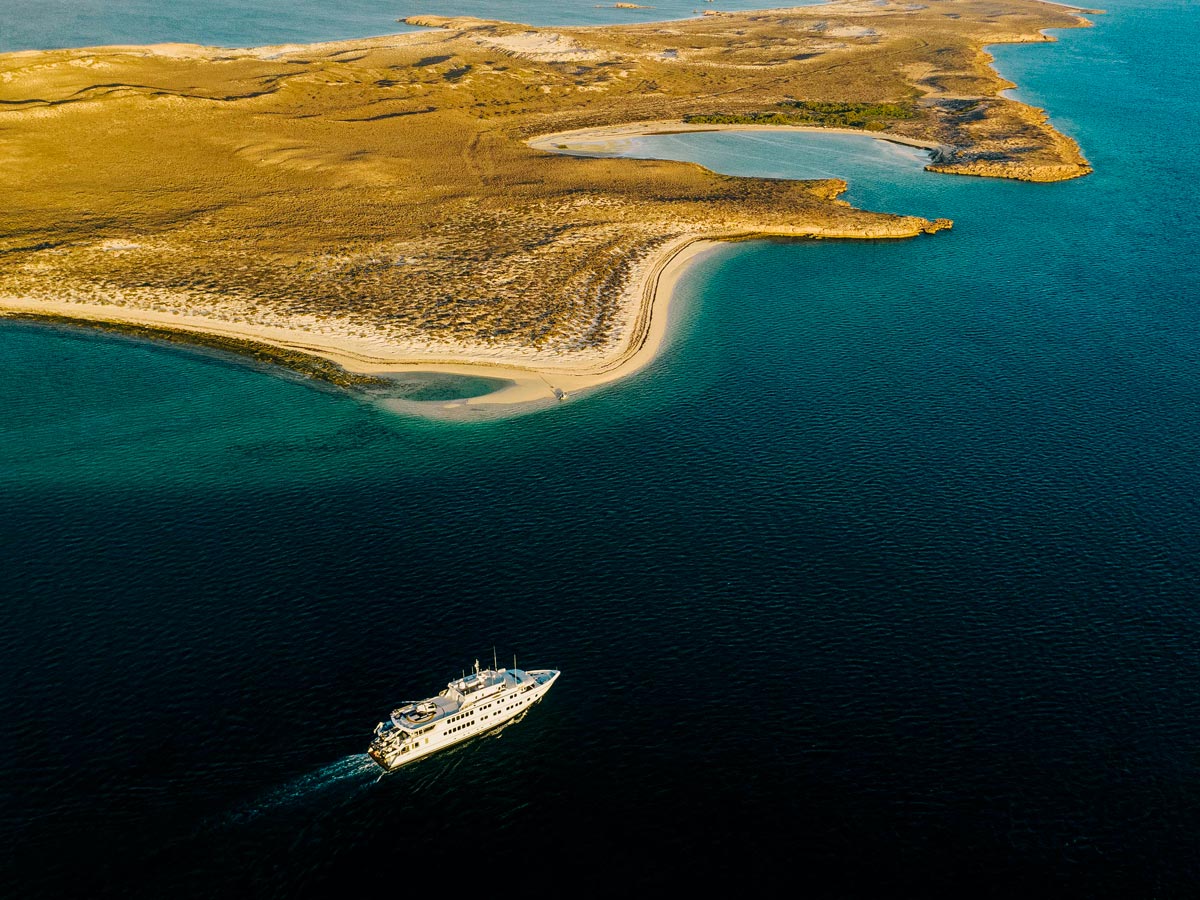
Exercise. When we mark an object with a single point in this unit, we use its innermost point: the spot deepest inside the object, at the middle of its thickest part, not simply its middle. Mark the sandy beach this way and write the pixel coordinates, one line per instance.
(614, 138)
(531, 381)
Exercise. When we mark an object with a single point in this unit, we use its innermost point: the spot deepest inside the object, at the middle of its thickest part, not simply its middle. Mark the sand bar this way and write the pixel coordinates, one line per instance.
(531, 384)
(533, 381)
(613, 138)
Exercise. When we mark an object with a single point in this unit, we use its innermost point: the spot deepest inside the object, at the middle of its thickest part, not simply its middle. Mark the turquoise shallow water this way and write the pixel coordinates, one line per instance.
(881, 580)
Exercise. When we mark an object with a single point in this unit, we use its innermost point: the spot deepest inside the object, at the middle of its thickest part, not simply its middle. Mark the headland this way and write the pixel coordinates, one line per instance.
(403, 202)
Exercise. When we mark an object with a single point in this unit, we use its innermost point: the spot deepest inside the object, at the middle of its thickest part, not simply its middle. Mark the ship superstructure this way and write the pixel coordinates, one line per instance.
(471, 705)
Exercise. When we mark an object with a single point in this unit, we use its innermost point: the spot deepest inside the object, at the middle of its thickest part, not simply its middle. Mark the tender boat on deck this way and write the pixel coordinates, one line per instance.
(475, 703)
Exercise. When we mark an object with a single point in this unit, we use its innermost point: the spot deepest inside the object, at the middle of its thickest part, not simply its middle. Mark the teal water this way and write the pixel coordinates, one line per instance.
(883, 578)
(45, 24)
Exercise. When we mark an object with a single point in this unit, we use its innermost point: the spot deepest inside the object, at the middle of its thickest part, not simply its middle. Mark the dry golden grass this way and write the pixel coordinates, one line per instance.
(383, 186)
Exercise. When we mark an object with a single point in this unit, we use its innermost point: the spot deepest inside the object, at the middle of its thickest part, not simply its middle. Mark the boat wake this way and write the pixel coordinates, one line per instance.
(341, 781)
(350, 774)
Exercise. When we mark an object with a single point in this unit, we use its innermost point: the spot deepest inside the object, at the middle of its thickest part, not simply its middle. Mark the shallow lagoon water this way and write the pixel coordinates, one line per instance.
(882, 175)
(882, 579)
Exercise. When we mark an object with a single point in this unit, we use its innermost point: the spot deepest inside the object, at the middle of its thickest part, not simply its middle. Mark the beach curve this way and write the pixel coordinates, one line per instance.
(530, 382)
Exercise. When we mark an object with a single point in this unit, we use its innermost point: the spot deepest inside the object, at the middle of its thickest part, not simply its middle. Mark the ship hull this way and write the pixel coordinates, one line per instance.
(494, 713)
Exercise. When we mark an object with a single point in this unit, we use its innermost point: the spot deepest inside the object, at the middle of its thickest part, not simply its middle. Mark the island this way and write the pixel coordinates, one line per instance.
(395, 203)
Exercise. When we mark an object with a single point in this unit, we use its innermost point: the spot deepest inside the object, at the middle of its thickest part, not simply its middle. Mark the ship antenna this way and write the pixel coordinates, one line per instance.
(495, 665)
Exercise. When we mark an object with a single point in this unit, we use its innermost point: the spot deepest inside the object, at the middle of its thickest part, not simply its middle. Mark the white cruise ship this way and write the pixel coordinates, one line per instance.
(475, 703)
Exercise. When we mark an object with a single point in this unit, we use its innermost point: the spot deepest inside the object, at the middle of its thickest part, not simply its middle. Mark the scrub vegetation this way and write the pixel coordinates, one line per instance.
(868, 116)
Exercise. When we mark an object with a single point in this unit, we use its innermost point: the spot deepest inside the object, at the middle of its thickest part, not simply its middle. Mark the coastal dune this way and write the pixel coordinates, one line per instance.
(400, 201)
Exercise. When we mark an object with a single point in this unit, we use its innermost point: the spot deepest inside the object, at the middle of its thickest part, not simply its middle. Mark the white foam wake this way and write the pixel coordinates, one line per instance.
(356, 771)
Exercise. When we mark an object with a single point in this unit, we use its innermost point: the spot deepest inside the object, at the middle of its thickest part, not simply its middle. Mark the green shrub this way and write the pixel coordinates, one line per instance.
(870, 116)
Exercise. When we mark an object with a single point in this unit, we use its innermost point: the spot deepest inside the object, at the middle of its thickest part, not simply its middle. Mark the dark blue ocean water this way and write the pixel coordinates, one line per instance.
(883, 580)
